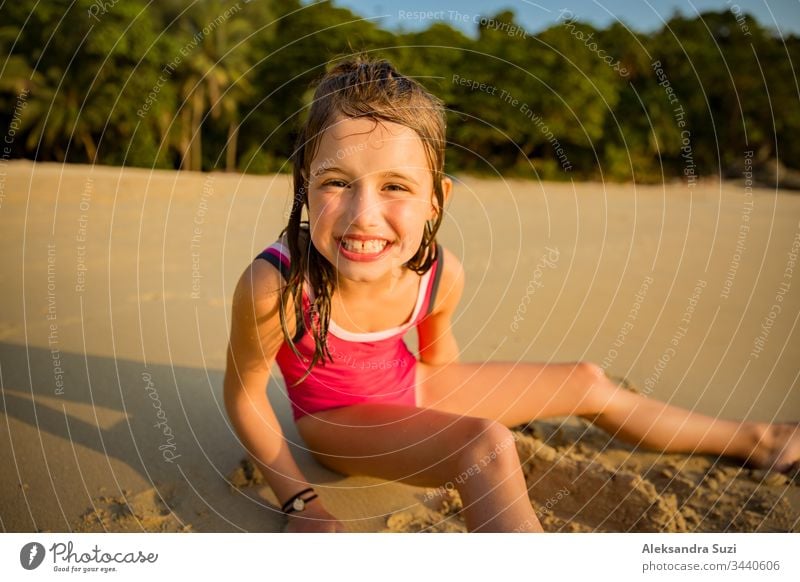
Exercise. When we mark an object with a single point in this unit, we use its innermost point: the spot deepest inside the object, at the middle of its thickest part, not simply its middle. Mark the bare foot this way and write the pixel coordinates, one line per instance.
(777, 447)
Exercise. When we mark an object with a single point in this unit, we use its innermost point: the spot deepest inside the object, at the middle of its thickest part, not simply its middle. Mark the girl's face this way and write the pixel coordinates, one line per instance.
(370, 193)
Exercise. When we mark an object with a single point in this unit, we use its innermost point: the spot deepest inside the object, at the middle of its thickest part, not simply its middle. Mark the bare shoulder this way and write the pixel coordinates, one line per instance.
(451, 283)
(259, 287)
(256, 332)
(437, 343)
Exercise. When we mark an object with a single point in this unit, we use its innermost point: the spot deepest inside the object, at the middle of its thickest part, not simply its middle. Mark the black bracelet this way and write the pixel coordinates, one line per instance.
(305, 503)
(288, 505)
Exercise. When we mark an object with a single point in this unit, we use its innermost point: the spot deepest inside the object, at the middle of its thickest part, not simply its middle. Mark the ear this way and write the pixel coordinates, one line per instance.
(447, 189)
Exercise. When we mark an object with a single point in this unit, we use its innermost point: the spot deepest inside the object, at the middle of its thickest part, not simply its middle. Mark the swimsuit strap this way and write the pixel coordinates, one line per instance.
(434, 287)
(275, 256)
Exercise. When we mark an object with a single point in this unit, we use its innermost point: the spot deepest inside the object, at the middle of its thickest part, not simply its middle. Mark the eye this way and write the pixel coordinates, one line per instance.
(336, 183)
(396, 187)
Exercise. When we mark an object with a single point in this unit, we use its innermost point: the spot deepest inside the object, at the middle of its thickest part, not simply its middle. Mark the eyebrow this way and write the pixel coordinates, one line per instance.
(325, 169)
(333, 169)
(401, 176)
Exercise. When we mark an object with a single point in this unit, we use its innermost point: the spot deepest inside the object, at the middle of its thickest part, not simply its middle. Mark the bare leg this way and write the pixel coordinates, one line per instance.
(516, 393)
(431, 449)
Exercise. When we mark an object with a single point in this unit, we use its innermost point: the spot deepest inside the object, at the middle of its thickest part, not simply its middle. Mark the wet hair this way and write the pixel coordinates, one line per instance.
(358, 87)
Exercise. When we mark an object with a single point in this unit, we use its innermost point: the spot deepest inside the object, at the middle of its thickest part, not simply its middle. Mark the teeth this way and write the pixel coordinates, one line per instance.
(368, 246)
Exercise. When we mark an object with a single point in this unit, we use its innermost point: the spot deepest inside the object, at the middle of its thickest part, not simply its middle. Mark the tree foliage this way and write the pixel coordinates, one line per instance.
(212, 84)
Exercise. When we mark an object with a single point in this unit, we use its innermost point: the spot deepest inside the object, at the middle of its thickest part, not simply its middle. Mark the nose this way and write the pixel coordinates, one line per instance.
(365, 205)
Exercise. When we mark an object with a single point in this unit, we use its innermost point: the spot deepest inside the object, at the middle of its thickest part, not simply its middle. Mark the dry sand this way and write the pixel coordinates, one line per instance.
(116, 287)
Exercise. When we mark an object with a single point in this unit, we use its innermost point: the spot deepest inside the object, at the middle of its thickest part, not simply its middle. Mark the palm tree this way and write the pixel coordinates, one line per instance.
(54, 116)
(16, 77)
(214, 80)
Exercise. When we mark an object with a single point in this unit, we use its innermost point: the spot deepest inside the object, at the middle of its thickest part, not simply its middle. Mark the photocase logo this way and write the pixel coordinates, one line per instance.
(31, 555)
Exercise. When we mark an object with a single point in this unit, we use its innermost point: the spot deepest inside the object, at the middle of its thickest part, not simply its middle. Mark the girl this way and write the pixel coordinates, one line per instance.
(332, 299)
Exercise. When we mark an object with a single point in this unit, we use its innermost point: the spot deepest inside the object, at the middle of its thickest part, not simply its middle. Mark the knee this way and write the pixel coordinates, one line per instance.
(596, 389)
(487, 442)
(590, 373)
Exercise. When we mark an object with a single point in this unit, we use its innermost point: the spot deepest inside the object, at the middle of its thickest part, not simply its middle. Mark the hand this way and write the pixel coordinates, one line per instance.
(314, 518)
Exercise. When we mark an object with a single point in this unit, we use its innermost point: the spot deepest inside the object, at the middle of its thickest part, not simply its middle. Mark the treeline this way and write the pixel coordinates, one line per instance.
(222, 85)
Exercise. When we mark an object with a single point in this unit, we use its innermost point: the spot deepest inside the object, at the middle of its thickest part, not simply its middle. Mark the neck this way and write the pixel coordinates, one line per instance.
(365, 290)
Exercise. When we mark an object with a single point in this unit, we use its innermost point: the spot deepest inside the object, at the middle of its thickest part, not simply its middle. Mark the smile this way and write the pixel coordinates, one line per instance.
(364, 246)
(363, 250)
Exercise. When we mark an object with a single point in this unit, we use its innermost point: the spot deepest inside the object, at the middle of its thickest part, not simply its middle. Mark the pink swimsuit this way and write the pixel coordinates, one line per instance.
(366, 367)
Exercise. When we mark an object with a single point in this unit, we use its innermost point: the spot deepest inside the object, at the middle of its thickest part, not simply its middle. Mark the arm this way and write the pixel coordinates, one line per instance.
(437, 344)
(255, 339)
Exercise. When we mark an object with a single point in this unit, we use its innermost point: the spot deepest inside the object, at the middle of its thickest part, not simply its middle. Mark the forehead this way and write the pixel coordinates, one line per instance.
(370, 145)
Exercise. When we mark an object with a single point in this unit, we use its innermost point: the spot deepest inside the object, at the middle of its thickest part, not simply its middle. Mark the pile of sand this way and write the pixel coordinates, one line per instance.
(581, 480)
(145, 511)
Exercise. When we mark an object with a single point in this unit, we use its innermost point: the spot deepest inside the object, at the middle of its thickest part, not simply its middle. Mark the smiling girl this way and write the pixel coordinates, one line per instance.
(344, 287)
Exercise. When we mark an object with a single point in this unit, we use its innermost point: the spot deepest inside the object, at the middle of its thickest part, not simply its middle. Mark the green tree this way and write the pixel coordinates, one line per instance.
(180, 83)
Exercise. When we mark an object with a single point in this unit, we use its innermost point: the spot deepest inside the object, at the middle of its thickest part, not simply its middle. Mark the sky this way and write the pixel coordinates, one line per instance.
(640, 15)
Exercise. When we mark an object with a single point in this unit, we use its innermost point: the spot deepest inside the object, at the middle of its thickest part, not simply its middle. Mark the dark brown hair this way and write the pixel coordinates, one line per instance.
(373, 89)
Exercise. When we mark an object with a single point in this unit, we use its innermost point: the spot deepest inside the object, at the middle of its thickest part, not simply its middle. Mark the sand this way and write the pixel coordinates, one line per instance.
(116, 289)
(580, 480)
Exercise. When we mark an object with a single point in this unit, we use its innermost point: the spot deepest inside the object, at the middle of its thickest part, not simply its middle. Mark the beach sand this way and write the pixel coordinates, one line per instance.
(116, 294)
